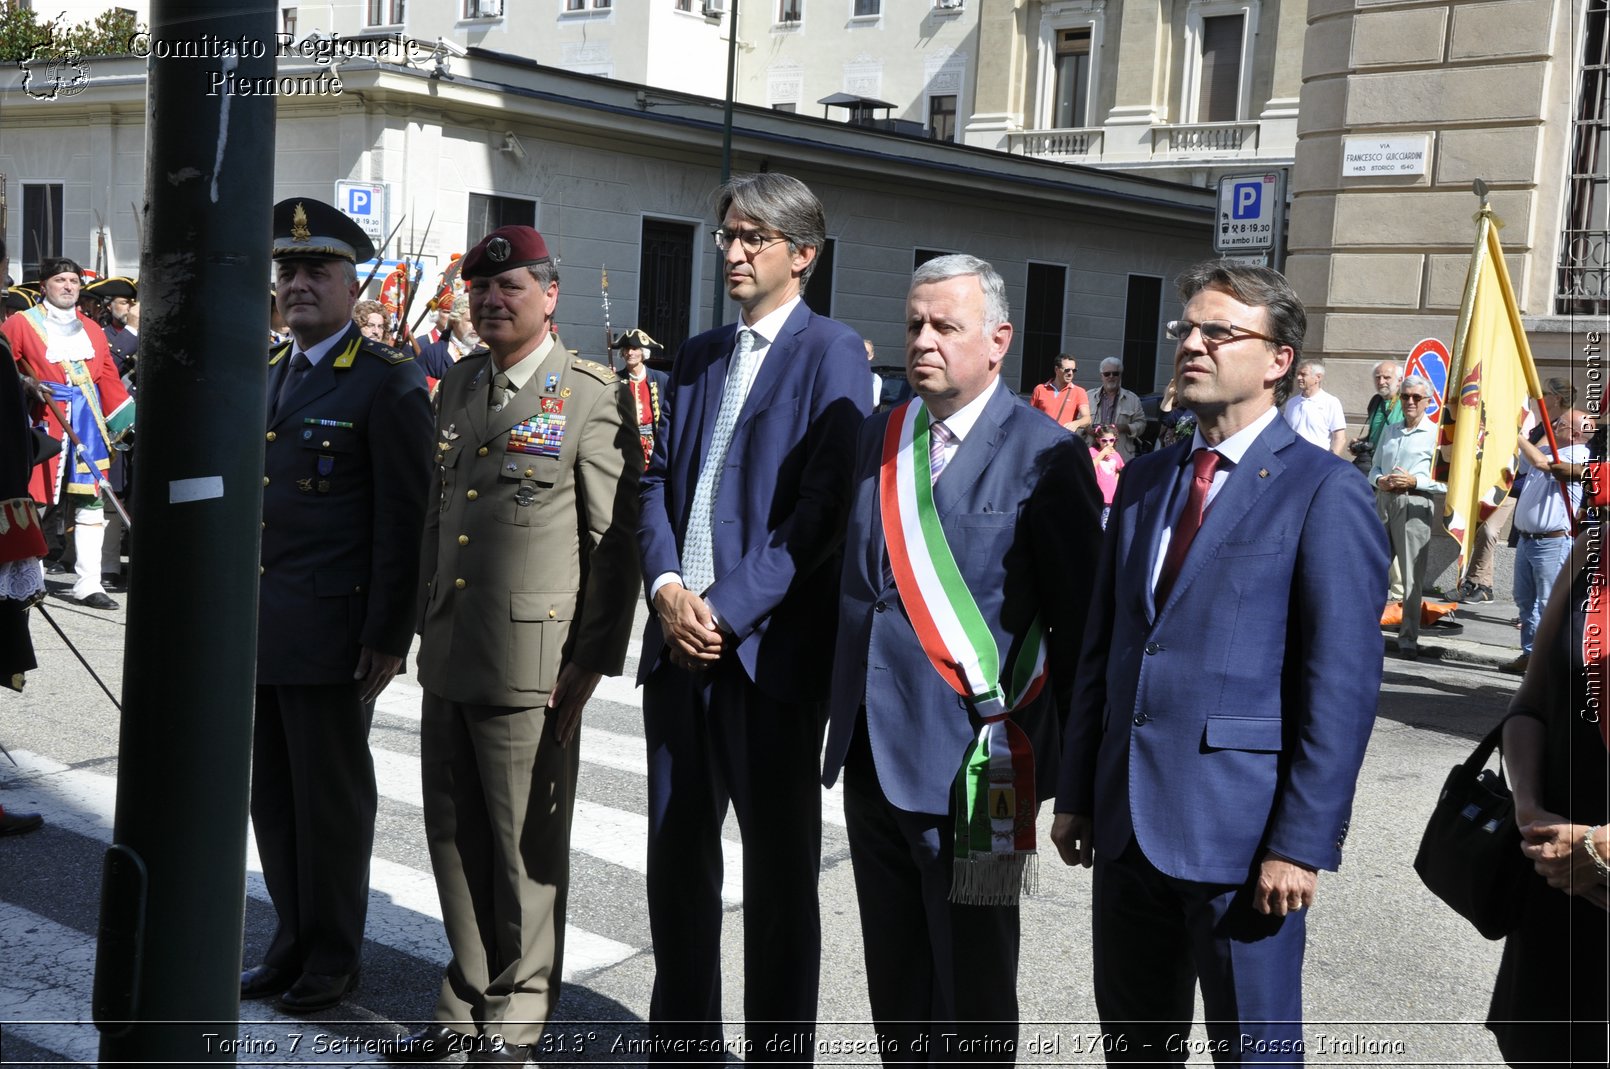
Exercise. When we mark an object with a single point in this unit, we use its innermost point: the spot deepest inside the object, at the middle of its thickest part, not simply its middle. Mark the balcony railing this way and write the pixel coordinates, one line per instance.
(1060, 145)
(1582, 284)
(1206, 139)
(1196, 141)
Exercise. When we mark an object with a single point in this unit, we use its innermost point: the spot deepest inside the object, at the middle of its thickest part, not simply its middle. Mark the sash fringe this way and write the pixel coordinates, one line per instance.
(994, 879)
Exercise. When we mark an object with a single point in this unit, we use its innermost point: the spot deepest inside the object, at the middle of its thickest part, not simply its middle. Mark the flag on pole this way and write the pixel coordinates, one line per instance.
(1489, 380)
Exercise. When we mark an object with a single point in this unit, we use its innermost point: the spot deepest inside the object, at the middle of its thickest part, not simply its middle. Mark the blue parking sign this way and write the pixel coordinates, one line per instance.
(360, 202)
(1246, 200)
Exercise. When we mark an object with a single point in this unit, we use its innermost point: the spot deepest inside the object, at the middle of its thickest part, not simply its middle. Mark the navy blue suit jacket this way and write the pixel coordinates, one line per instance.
(1233, 718)
(779, 513)
(1019, 506)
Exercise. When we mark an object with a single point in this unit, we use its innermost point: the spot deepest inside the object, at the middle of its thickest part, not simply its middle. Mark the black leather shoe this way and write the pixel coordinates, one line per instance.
(431, 1044)
(20, 823)
(265, 981)
(97, 600)
(56, 567)
(317, 991)
(114, 582)
(508, 1054)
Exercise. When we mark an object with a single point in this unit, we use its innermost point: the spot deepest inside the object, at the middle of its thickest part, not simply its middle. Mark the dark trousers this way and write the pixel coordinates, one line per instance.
(713, 740)
(942, 977)
(313, 808)
(1155, 936)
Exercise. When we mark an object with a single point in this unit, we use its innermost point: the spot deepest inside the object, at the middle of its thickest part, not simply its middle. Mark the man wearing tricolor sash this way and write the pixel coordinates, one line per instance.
(961, 608)
(1225, 694)
(67, 353)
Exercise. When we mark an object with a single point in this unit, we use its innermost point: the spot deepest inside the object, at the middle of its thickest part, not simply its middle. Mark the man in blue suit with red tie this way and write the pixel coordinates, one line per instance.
(1225, 694)
(949, 649)
(743, 514)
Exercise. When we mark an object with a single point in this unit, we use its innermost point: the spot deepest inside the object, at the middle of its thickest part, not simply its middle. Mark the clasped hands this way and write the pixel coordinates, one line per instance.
(1554, 846)
(690, 628)
(1397, 483)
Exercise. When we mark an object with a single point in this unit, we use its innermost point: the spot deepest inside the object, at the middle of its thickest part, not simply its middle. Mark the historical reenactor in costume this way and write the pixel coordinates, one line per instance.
(531, 576)
(120, 318)
(645, 384)
(66, 351)
(345, 480)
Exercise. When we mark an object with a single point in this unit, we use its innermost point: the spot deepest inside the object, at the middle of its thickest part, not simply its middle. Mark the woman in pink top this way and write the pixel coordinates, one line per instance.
(1104, 455)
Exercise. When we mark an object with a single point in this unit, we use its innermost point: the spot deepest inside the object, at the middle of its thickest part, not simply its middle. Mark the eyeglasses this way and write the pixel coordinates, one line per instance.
(1111, 374)
(751, 241)
(1065, 371)
(1417, 398)
(1215, 332)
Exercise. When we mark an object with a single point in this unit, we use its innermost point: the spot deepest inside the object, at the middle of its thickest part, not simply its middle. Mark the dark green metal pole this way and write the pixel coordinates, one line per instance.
(718, 291)
(167, 971)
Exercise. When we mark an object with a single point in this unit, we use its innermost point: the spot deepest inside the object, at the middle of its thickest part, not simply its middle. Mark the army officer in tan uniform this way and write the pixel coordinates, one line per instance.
(532, 577)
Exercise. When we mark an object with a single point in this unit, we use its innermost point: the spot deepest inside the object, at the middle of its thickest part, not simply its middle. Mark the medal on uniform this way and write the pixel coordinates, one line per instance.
(540, 436)
(552, 383)
(305, 485)
(451, 433)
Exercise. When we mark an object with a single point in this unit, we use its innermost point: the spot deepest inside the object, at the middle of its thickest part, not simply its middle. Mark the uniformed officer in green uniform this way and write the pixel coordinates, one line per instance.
(531, 561)
(345, 481)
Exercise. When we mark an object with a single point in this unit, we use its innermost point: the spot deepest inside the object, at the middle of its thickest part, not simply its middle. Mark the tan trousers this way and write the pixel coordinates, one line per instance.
(1484, 549)
(499, 794)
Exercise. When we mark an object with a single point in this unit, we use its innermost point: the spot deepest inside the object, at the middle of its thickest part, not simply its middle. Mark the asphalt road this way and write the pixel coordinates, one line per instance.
(1392, 976)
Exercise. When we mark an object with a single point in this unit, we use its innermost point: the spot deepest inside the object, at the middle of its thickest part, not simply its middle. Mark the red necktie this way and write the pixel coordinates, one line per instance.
(1204, 462)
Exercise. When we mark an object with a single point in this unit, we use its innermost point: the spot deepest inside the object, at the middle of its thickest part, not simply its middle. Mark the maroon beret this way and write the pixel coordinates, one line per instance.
(504, 249)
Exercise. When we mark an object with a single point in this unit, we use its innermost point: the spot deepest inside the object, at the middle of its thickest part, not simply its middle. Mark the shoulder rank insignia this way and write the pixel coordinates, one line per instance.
(386, 352)
(596, 370)
(277, 353)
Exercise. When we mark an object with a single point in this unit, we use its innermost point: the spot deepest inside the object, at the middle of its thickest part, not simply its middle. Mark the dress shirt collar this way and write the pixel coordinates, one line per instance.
(769, 325)
(522, 370)
(1235, 447)
(318, 350)
(960, 423)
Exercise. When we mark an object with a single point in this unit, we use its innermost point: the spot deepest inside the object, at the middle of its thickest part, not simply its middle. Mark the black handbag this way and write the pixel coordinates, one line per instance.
(1470, 855)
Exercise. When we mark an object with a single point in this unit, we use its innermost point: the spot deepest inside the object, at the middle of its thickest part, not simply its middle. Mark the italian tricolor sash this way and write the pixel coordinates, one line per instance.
(994, 789)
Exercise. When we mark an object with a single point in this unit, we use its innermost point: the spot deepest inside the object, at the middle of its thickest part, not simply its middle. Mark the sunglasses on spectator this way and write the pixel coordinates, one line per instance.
(1111, 374)
(1417, 398)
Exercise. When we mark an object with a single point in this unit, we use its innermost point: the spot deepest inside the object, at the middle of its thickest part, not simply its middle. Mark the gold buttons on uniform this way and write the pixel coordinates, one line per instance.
(472, 495)
(460, 584)
(529, 473)
(272, 436)
(265, 480)
(481, 452)
(440, 458)
(552, 614)
(463, 540)
(326, 445)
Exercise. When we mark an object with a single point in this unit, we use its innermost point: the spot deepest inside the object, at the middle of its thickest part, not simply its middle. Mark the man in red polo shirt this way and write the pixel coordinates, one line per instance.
(1060, 399)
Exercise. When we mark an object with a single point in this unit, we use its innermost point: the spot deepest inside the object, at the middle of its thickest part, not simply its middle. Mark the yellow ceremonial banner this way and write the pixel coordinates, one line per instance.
(1489, 380)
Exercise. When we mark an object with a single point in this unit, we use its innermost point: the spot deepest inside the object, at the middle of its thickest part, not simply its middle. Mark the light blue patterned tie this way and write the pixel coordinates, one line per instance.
(698, 554)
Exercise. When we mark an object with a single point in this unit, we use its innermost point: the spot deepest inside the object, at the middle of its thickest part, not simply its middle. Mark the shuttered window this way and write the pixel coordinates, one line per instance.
(1219, 91)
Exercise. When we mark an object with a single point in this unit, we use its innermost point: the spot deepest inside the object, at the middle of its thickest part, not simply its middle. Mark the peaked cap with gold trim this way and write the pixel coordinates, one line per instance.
(308, 229)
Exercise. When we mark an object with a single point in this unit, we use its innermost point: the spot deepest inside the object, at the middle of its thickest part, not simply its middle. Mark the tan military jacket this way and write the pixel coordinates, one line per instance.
(530, 553)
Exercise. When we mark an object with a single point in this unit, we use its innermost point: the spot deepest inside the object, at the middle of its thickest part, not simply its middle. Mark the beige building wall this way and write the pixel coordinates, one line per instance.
(1146, 69)
(1380, 261)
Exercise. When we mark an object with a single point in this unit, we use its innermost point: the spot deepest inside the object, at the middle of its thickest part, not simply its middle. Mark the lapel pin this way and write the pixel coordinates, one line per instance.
(1263, 473)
